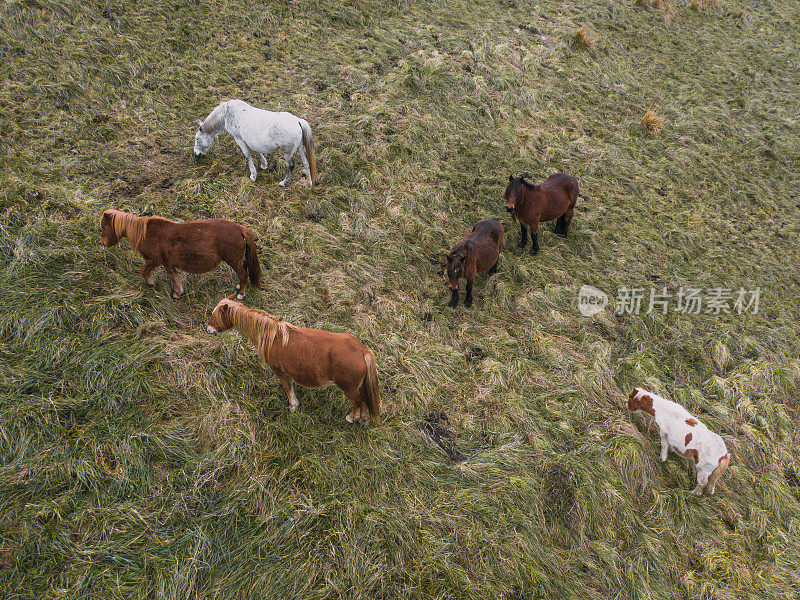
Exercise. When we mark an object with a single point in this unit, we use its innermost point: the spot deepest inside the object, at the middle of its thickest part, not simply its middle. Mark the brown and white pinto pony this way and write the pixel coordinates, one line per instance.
(193, 246)
(533, 204)
(477, 252)
(311, 357)
(685, 435)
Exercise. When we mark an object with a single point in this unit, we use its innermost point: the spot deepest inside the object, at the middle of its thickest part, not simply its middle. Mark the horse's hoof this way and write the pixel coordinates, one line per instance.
(282, 184)
(349, 419)
(467, 303)
(240, 296)
(253, 178)
(534, 251)
(176, 296)
(452, 304)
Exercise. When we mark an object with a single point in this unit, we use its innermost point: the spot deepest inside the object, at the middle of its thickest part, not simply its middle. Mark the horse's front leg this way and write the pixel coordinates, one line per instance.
(147, 272)
(246, 151)
(288, 387)
(524, 233)
(453, 299)
(534, 238)
(264, 164)
(468, 297)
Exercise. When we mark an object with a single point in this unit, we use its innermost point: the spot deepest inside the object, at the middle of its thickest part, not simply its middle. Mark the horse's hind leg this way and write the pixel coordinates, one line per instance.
(558, 228)
(264, 164)
(359, 412)
(493, 270)
(306, 166)
(177, 285)
(289, 168)
(566, 220)
(241, 273)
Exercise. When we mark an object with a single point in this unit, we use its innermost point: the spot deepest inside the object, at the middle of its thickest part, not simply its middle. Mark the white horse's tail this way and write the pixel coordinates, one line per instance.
(308, 144)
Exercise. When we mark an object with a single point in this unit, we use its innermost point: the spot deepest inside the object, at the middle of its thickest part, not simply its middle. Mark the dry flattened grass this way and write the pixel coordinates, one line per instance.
(141, 457)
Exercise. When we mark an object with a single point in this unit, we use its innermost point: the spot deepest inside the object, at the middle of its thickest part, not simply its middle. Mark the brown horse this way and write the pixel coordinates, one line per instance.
(311, 357)
(194, 246)
(479, 251)
(533, 204)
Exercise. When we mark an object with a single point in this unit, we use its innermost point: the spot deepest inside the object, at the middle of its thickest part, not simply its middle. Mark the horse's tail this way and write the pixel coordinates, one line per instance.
(251, 261)
(369, 388)
(308, 144)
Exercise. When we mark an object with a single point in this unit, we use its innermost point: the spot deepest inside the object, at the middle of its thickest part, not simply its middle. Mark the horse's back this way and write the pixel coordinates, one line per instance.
(315, 355)
(562, 181)
(491, 227)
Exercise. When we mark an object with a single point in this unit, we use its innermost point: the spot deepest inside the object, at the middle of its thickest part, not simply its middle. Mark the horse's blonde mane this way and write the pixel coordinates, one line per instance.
(211, 124)
(130, 226)
(259, 327)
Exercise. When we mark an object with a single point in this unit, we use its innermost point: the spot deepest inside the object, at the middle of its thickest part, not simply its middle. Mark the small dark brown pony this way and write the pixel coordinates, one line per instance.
(479, 251)
(311, 357)
(533, 204)
(194, 246)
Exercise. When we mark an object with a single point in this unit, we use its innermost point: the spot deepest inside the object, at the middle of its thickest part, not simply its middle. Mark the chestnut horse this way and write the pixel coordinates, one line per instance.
(194, 246)
(311, 357)
(479, 251)
(533, 204)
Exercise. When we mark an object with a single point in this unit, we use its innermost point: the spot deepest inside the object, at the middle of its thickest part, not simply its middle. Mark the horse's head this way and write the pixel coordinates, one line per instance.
(455, 266)
(639, 400)
(108, 235)
(202, 141)
(515, 191)
(220, 318)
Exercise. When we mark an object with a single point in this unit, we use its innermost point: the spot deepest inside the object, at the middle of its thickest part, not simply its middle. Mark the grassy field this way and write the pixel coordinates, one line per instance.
(142, 458)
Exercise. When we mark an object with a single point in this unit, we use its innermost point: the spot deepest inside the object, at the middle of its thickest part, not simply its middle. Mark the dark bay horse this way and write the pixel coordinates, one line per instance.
(479, 251)
(533, 204)
(311, 357)
(194, 246)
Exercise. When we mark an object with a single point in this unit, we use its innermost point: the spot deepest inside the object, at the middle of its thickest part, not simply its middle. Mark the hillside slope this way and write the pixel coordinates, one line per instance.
(140, 457)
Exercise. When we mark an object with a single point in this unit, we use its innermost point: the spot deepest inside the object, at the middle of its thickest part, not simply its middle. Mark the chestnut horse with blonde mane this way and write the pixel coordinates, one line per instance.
(193, 246)
(311, 357)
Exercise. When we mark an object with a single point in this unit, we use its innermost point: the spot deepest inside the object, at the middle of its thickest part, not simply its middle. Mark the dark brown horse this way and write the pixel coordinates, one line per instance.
(476, 253)
(194, 246)
(311, 357)
(533, 204)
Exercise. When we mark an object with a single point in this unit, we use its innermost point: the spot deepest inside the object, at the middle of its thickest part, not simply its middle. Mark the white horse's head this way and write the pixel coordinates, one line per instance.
(202, 141)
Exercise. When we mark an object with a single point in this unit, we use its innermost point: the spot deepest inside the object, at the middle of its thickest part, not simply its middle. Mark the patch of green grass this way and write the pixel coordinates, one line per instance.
(140, 457)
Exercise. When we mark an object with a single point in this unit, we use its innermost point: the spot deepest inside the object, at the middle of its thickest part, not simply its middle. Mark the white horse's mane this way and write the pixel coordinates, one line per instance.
(212, 122)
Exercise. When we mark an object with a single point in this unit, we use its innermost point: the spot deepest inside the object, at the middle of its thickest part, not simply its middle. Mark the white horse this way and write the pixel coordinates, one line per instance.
(261, 131)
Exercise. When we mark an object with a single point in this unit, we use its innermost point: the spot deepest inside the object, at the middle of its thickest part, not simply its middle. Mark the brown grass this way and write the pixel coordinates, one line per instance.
(585, 38)
(652, 121)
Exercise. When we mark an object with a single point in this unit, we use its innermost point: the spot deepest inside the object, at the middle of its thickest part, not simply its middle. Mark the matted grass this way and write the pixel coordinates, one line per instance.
(142, 458)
